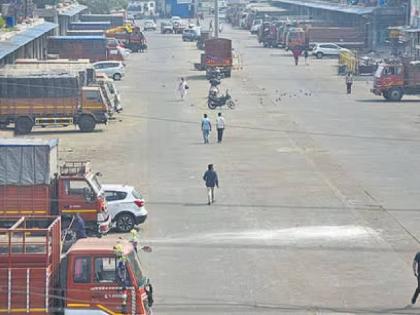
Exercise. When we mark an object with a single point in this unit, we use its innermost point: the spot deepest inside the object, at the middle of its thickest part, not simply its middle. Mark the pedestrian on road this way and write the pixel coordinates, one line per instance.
(205, 128)
(220, 125)
(296, 53)
(211, 179)
(182, 88)
(349, 82)
(211, 26)
(305, 54)
(416, 270)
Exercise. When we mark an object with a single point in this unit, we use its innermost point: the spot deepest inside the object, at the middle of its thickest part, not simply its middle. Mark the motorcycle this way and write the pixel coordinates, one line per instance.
(215, 101)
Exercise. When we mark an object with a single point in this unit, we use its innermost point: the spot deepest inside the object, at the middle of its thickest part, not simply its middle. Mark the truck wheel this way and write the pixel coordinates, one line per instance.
(125, 222)
(116, 76)
(385, 95)
(23, 125)
(395, 95)
(319, 55)
(86, 123)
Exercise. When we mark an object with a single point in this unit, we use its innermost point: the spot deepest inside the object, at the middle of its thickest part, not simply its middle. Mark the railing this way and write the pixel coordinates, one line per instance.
(75, 168)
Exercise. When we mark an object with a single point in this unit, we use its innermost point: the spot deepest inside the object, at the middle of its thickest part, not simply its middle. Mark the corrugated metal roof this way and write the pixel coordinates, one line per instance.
(22, 38)
(73, 10)
(91, 23)
(351, 9)
(78, 37)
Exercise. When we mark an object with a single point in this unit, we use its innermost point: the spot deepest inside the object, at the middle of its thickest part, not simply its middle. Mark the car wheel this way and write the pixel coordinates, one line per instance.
(319, 55)
(116, 76)
(125, 222)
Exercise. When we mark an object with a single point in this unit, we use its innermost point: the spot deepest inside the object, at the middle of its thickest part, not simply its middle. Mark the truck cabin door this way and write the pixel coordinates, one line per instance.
(392, 76)
(92, 101)
(77, 196)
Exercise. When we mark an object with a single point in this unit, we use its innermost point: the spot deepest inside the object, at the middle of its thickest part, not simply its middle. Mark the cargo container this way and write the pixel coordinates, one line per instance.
(114, 19)
(93, 48)
(50, 99)
(218, 55)
(86, 33)
(89, 26)
(93, 276)
(33, 184)
(348, 37)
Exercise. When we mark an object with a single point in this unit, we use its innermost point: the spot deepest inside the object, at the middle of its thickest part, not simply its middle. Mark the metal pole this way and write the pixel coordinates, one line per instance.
(216, 18)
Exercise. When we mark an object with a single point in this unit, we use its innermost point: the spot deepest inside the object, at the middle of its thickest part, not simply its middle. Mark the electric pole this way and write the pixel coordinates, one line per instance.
(216, 18)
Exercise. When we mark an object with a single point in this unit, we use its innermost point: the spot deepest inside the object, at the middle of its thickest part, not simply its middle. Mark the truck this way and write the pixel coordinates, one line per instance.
(32, 183)
(90, 26)
(93, 48)
(218, 56)
(115, 19)
(82, 67)
(395, 78)
(130, 36)
(93, 276)
(348, 37)
(30, 100)
(295, 38)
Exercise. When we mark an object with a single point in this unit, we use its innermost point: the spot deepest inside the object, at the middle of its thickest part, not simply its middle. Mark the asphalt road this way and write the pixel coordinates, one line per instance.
(318, 206)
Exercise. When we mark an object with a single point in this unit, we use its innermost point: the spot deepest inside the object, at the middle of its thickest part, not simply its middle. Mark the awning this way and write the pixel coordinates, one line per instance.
(22, 38)
(351, 9)
(73, 10)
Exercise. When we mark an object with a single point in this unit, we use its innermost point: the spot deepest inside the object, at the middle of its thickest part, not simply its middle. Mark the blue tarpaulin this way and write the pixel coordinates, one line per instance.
(22, 38)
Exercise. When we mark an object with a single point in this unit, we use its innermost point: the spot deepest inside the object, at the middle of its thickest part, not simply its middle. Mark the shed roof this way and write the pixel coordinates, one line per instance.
(351, 9)
(73, 10)
(22, 38)
(8, 142)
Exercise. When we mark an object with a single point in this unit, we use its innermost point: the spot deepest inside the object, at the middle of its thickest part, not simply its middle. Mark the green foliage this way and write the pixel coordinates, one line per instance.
(104, 6)
(2, 22)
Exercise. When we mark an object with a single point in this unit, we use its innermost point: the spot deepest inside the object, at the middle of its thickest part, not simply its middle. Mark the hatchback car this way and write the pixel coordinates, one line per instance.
(327, 49)
(113, 69)
(149, 25)
(190, 34)
(126, 206)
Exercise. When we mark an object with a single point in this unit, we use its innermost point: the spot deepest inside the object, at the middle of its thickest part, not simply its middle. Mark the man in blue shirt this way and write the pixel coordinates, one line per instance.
(416, 270)
(211, 179)
(205, 128)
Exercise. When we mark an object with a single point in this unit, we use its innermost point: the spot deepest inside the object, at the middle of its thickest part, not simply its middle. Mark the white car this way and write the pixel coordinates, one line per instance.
(113, 69)
(149, 25)
(125, 206)
(327, 49)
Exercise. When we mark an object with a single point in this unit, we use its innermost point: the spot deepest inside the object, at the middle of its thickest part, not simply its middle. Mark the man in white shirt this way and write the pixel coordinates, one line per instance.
(220, 125)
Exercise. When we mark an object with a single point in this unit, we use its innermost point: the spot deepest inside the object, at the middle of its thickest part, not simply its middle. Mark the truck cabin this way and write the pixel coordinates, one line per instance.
(92, 100)
(388, 74)
(295, 37)
(81, 191)
(111, 274)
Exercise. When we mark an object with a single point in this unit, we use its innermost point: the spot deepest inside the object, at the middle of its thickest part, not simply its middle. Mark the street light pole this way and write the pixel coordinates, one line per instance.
(216, 18)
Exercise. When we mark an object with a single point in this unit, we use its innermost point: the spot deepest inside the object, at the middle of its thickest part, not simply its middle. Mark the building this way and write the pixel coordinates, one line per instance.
(374, 20)
(29, 40)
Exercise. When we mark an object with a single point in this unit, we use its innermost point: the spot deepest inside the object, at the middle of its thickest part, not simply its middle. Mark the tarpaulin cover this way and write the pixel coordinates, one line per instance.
(27, 161)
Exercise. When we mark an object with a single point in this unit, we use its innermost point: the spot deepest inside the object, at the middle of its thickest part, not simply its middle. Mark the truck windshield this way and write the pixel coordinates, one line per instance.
(96, 185)
(378, 72)
(136, 268)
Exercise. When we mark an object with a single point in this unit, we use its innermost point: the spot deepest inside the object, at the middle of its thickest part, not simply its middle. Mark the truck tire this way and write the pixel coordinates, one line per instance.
(125, 222)
(319, 55)
(86, 123)
(23, 125)
(395, 94)
(385, 95)
(116, 77)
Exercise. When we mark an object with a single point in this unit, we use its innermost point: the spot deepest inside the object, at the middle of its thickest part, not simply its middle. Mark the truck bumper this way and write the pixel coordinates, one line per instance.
(104, 226)
(101, 117)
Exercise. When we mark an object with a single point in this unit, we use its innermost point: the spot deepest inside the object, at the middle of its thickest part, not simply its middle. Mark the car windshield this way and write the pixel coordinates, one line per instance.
(136, 268)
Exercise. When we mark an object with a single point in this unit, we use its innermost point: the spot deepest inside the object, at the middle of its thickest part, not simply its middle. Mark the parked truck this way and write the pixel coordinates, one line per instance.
(115, 19)
(394, 79)
(50, 99)
(131, 37)
(33, 184)
(218, 56)
(348, 37)
(94, 276)
(90, 26)
(93, 48)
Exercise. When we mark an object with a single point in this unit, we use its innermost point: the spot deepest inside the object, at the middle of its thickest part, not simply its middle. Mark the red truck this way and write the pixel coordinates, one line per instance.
(95, 276)
(93, 48)
(218, 55)
(32, 184)
(395, 78)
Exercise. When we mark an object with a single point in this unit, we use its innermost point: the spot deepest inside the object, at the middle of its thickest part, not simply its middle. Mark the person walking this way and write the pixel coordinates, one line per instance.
(211, 26)
(220, 125)
(416, 270)
(349, 82)
(306, 55)
(182, 88)
(212, 180)
(296, 53)
(205, 128)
